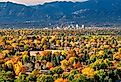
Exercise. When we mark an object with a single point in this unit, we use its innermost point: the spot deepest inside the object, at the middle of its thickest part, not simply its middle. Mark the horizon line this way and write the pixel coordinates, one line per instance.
(40, 3)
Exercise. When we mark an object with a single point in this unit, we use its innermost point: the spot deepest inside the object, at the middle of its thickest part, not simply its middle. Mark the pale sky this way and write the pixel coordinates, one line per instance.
(34, 2)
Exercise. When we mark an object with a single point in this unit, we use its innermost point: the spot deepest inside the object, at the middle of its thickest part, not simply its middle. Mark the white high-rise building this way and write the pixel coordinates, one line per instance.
(83, 26)
(77, 26)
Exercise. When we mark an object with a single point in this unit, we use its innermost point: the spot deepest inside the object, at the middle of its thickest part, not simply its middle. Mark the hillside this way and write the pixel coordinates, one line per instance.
(92, 12)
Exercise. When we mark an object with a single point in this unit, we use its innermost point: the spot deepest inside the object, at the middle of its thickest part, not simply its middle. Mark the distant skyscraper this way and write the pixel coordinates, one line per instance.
(77, 26)
(83, 26)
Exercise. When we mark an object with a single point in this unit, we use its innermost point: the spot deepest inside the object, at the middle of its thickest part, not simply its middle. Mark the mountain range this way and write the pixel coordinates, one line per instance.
(90, 13)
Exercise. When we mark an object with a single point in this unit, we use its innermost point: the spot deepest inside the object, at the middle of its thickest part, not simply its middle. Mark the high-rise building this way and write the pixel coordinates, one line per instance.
(83, 26)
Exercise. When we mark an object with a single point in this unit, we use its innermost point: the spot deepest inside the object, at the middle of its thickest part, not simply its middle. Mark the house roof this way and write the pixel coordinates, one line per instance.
(34, 53)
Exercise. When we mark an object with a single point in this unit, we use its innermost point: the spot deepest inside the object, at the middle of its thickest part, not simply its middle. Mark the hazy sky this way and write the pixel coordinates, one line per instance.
(33, 2)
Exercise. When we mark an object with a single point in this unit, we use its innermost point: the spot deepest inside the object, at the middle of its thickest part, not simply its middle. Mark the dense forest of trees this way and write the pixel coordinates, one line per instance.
(84, 55)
